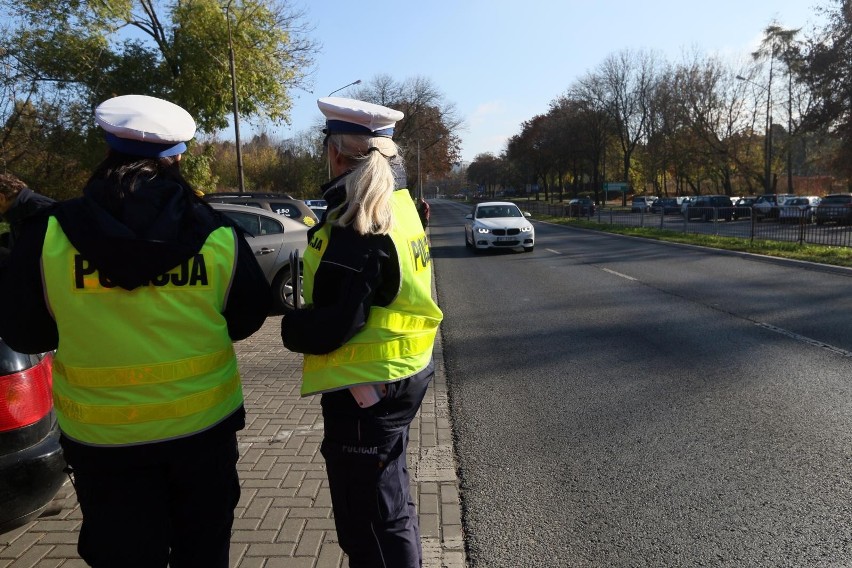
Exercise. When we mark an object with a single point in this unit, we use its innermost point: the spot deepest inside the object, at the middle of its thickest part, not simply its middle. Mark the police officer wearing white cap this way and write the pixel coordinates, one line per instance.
(141, 288)
(367, 333)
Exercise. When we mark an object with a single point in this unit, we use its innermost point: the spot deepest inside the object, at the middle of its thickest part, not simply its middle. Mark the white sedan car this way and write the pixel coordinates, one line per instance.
(498, 225)
(798, 209)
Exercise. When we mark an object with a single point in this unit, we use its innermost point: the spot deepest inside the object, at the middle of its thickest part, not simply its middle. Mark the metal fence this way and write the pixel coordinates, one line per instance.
(832, 228)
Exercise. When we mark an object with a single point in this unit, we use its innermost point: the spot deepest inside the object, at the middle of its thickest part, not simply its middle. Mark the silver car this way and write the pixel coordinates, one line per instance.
(272, 237)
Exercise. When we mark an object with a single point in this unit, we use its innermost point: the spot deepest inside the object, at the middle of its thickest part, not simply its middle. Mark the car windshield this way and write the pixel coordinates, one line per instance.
(797, 201)
(836, 199)
(495, 211)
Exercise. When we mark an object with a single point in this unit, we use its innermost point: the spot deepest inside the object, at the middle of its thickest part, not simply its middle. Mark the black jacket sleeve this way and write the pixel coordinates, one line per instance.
(26, 324)
(344, 290)
(250, 298)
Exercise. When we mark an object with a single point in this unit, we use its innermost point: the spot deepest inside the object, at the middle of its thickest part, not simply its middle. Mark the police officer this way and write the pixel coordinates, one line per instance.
(141, 288)
(367, 333)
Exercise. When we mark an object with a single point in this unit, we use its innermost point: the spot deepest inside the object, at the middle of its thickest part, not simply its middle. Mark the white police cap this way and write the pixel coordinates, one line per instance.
(145, 126)
(350, 116)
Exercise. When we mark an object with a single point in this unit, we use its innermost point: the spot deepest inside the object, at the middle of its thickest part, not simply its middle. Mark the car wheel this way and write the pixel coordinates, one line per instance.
(282, 291)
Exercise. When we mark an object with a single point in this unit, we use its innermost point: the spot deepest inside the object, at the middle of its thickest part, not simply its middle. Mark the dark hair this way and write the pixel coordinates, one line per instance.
(120, 174)
(125, 171)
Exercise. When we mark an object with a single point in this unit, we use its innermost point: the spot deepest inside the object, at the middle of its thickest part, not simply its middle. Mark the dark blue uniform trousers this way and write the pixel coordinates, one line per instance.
(365, 455)
(155, 505)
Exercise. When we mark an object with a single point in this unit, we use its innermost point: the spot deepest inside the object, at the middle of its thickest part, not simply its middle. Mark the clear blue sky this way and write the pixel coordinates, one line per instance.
(501, 62)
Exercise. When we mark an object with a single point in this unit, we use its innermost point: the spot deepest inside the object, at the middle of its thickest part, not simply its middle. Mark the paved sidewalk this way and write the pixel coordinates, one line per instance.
(284, 517)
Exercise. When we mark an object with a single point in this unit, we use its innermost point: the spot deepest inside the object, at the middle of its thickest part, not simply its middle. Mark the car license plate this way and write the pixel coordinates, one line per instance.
(505, 239)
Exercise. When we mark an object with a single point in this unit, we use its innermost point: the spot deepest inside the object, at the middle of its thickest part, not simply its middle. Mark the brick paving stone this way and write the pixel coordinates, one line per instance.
(284, 517)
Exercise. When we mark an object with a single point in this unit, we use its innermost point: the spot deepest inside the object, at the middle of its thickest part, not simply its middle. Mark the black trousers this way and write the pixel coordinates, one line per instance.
(155, 505)
(365, 454)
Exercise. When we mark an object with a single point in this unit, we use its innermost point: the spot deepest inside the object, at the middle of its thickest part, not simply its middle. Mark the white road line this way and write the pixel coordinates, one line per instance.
(619, 274)
(553, 251)
(804, 339)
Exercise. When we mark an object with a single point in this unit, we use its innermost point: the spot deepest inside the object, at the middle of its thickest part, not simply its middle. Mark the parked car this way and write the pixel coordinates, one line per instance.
(498, 225)
(272, 238)
(665, 205)
(742, 207)
(834, 208)
(580, 207)
(766, 206)
(710, 208)
(798, 209)
(318, 206)
(31, 462)
(275, 202)
(641, 204)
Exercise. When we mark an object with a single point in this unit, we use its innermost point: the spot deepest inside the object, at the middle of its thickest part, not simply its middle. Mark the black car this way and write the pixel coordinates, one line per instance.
(580, 207)
(710, 207)
(666, 206)
(31, 462)
(742, 207)
(834, 208)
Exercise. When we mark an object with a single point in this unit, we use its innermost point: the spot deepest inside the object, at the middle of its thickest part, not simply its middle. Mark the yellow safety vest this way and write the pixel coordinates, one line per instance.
(397, 340)
(145, 365)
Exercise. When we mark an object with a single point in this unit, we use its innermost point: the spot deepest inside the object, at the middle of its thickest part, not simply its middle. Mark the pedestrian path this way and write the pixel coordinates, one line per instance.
(284, 517)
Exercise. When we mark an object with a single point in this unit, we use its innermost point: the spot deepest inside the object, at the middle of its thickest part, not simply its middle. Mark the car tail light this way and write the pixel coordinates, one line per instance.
(25, 396)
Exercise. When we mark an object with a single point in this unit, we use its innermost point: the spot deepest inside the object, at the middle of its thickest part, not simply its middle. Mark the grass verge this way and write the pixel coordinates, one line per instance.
(837, 256)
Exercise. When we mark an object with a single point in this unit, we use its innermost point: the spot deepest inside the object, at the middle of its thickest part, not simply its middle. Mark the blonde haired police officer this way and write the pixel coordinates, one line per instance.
(141, 288)
(367, 333)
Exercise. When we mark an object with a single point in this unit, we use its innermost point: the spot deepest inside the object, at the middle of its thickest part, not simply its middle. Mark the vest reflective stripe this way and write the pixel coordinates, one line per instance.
(402, 322)
(364, 353)
(150, 374)
(143, 365)
(137, 414)
(397, 340)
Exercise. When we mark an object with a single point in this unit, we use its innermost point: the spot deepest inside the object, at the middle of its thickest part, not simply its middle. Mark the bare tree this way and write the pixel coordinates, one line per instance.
(623, 85)
(429, 132)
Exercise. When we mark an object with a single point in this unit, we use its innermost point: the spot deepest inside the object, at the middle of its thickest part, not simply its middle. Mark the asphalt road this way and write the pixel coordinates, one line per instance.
(622, 402)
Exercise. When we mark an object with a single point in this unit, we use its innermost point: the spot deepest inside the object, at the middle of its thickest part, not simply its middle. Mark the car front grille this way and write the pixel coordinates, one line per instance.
(505, 232)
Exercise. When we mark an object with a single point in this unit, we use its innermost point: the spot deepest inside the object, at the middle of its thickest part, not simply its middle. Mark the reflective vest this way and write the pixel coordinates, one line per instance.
(145, 365)
(397, 340)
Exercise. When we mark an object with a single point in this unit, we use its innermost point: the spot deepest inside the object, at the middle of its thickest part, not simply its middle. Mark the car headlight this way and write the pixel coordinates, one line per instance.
(482, 230)
(526, 229)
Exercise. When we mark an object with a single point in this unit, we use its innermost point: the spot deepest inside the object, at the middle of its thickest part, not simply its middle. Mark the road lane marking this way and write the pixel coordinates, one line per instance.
(553, 251)
(804, 339)
(619, 274)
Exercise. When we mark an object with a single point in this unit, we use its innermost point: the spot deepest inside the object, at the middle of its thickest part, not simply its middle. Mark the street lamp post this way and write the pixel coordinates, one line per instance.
(789, 131)
(240, 176)
(767, 167)
(419, 178)
(356, 82)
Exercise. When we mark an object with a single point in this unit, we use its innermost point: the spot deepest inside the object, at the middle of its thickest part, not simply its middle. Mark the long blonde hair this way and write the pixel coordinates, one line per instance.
(369, 186)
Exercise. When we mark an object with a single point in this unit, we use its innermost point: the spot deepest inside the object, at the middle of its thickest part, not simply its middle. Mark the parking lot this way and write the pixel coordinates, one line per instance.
(742, 225)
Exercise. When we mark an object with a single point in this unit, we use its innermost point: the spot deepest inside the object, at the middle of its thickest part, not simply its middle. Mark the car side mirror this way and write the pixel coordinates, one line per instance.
(469, 216)
(527, 214)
